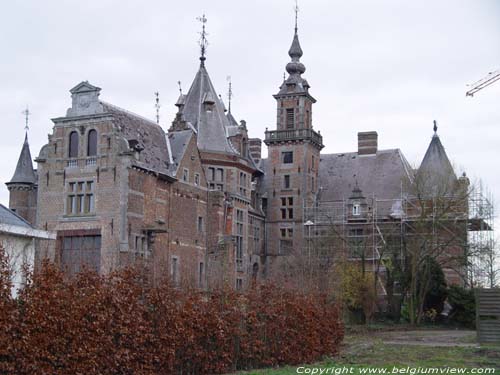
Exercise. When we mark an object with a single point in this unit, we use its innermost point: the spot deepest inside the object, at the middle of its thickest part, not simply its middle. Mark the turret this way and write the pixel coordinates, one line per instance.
(23, 186)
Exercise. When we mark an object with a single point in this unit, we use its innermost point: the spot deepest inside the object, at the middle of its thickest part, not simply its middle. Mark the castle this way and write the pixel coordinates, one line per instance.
(198, 202)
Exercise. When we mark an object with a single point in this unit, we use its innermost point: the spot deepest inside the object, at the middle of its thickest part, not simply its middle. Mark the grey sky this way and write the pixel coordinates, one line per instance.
(389, 66)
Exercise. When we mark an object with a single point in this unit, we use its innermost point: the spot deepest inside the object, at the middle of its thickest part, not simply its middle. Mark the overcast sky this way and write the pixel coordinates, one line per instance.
(390, 66)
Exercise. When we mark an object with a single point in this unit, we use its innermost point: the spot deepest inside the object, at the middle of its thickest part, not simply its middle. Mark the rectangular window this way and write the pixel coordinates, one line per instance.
(286, 181)
(219, 175)
(80, 198)
(201, 274)
(239, 240)
(174, 272)
(200, 224)
(185, 175)
(239, 283)
(243, 184)
(290, 118)
(211, 174)
(287, 157)
(197, 179)
(356, 209)
(286, 232)
(287, 207)
(78, 252)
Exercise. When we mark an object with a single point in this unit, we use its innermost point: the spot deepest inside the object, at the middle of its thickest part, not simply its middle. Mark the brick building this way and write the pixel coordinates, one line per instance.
(197, 202)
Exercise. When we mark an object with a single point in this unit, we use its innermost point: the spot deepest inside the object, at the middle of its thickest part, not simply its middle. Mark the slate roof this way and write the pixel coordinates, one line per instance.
(24, 174)
(436, 168)
(178, 142)
(380, 174)
(9, 217)
(149, 135)
(205, 111)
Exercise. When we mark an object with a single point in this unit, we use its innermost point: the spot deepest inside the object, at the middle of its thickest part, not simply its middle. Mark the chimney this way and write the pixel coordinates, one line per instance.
(367, 143)
(255, 149)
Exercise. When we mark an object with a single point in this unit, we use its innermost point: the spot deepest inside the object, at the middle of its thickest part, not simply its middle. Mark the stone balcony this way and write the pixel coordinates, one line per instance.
(308, 135)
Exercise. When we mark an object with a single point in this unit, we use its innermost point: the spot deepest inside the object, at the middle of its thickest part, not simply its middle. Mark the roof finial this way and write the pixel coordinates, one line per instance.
(435, 127)
(26, 114)
(229, 92)
(157, 106)
(296, 15)
(180, 87)
(203, 40)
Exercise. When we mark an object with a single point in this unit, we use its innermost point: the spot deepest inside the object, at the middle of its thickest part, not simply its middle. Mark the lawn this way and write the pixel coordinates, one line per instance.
(378, 349)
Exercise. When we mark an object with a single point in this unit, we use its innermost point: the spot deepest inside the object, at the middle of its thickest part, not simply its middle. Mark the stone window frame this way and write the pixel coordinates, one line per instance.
(201, 274)
(287, 157)
(243, 184)
(73, 144)
(286, 207)
(239, 238)
(356, 209)
(88, 140)
(286, 181)
(77, 198)
(200, 224)
(197, 179)
(175, 273)
(185, 174)
(239, 283)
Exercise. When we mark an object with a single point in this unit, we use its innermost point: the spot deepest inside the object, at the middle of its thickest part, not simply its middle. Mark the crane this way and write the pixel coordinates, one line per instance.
(484, 82)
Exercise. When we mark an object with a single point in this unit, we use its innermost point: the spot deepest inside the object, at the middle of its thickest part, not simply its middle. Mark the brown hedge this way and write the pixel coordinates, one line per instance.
(119, 324)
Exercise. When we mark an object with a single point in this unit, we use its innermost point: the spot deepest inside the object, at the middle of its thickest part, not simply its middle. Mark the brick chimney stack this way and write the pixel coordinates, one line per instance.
(367, 143)
(255, 149)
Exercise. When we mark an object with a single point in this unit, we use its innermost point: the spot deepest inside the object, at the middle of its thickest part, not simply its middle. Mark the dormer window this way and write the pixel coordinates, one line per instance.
(208, 101)
(356, 209)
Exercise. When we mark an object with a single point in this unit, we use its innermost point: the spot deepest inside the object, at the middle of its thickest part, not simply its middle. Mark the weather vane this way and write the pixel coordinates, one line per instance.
(229, 92)
(157, 106)
(26, 114)
(203, 39)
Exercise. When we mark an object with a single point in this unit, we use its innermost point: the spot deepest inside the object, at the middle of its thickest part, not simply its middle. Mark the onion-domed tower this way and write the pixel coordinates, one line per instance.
(293, 159)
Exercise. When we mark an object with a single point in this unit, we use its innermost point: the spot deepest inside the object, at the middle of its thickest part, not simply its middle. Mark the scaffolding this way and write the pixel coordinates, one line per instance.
(375, 232)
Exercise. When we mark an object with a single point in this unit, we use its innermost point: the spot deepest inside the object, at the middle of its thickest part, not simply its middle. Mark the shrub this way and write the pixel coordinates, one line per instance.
(463, 304)
(121, 324)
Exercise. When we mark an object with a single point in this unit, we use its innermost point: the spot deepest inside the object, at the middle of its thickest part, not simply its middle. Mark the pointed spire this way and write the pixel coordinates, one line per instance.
(229, 93)
(24, 174)
(296, 15)
(203, 109)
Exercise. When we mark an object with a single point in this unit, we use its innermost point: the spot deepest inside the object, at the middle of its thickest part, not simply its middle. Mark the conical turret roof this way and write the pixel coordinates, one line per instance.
(24, 174)
(205, 111)
(436, 168)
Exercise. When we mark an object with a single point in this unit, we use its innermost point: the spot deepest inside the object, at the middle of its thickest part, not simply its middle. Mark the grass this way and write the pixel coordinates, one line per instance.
(362, 351)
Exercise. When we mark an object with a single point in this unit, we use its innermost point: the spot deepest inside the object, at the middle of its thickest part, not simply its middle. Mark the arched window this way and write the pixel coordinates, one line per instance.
(92, 143)
(73, 144)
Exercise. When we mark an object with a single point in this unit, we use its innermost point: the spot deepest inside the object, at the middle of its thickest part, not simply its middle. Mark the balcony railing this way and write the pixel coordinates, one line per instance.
(82, 162)
(275, 136)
